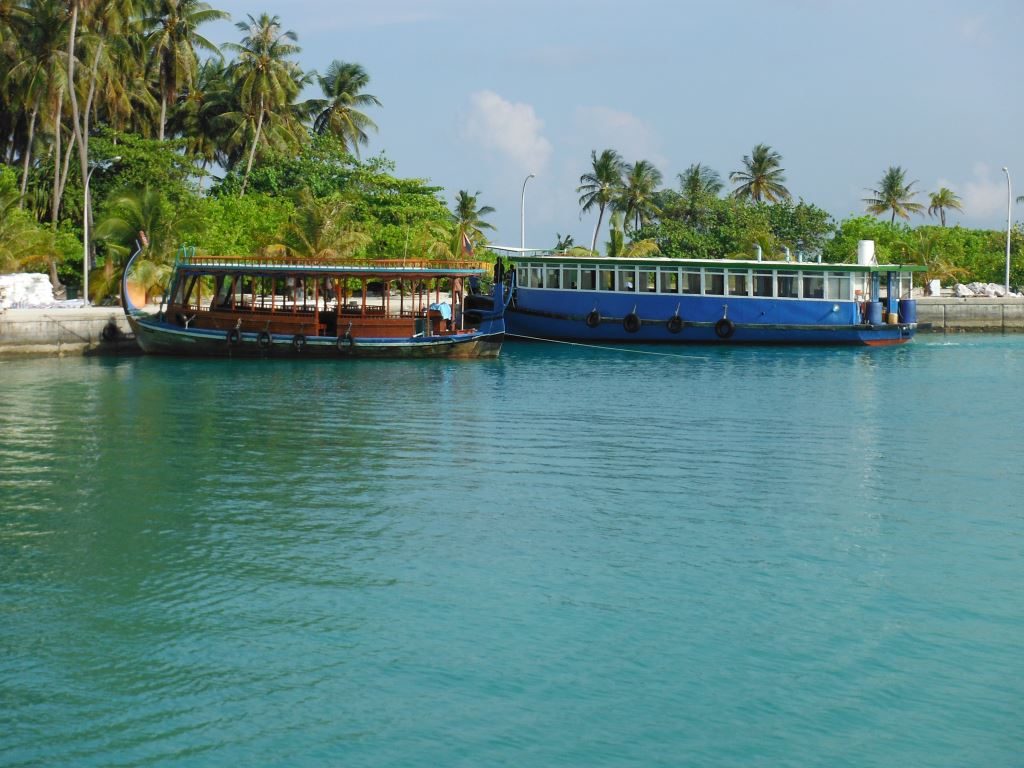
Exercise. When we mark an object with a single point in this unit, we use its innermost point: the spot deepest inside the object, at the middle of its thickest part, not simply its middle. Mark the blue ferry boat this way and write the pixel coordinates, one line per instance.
(260, 307)
(630, 300)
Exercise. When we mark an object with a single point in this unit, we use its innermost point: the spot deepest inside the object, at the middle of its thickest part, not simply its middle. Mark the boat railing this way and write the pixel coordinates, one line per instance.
(188, 257)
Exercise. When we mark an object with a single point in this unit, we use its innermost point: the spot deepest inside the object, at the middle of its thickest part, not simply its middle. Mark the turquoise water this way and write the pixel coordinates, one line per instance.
(565, 557)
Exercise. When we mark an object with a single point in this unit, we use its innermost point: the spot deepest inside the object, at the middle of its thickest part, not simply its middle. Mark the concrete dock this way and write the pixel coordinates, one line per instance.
(950, 314)
(65, 331)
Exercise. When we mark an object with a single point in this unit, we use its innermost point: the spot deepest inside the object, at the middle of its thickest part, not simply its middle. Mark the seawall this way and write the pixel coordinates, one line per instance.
(950, 314)
(57, 332)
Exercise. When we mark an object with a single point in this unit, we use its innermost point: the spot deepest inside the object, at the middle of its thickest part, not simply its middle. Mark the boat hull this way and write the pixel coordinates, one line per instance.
(659, 319)
(155, 336)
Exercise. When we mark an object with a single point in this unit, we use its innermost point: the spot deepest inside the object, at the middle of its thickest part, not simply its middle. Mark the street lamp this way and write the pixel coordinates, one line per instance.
(1009, 213)
(522, 216)
(85, 224)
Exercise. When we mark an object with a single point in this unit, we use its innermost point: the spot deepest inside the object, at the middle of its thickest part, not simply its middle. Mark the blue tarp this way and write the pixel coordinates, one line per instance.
(444, 309)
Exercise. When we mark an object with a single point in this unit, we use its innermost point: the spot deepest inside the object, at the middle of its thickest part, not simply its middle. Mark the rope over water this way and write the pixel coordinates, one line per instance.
(607, 349)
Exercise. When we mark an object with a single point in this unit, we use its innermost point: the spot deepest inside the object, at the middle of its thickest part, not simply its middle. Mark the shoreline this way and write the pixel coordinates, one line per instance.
(61, 332)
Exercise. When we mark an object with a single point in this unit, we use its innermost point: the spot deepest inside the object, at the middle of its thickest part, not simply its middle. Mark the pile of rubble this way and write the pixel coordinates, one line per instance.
(988, 290)
(30, 291)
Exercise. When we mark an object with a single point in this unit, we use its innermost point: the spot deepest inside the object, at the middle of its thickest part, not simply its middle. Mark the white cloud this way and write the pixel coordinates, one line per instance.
(512, 129)
(605, 128)
(975, 29)
(983, 196)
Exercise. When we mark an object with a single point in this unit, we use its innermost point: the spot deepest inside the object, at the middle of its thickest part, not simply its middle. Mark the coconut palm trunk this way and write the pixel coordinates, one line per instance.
(600, 217)
(28, 153)
(252, 151)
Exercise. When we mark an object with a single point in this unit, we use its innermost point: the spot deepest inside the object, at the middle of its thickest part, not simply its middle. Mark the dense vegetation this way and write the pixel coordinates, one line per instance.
(700, 219)
(189, 143)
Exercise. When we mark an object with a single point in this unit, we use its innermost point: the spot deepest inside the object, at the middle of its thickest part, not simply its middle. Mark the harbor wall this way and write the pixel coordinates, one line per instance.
(946, 314)
(60, 331)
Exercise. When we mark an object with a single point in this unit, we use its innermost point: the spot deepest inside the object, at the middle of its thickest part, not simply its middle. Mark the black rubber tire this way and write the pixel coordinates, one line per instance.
(344, 343)
(593, 319)
(674, 324)
(631, 322)
(110, 332)
(263, 340)
(725, 328)
(298, 342)
(234, 337)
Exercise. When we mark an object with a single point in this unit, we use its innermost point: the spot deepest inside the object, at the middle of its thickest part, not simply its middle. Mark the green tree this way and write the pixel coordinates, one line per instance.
(564, 242)
(600, 186)
(321, 229)
(636, 199)
(125, 216)
(339, 113)
(894, 194)
(469, 220)
(943, 200)
(762, 176)
(38, 69)
(173, 39)
(23, 243)
(267, 79)
(699, 181)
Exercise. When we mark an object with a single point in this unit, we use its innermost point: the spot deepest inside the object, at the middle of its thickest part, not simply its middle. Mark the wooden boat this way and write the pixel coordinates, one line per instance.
(271, 307)
(677, 301)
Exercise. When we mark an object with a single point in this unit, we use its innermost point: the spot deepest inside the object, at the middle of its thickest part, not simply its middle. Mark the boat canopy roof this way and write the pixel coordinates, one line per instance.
(389, 269)
(522, 255)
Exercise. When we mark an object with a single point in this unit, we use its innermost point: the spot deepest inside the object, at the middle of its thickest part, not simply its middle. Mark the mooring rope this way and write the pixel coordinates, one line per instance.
(607, 349)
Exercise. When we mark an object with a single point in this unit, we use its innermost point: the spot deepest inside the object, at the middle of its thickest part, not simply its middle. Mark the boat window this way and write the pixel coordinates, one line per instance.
(570, 276)
(838, 285)
(608, 279)
(536, 276)
(552, 279)
(523, 276)
(588, 278)
(691, 281)
(222, 291)
(714, 282)
(814, 285)
(627, 279)
(669, 280)
(649, 280)
(788, 286)
(763, 284)
(738, 282)
(906, 284)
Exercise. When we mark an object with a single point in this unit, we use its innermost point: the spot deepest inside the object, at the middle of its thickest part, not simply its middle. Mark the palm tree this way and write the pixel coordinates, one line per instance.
(761, 177)
(600, 186)
(39, 68)
(197, 117)
(636, 199)
(126, 214)
(339, 113)
(267, 80)
(469, 219)
(564, 243)
(941, 201)
(22, 244)
(173, 39)
(321, 229)
(699, 181)
(894, 194)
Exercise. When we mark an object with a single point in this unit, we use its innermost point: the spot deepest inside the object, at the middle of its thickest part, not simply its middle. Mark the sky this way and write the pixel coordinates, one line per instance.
(478, 94)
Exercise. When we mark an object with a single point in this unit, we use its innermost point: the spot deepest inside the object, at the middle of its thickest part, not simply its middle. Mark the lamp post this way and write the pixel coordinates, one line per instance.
(1009, 214)
(85, 224)
(522, 216)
